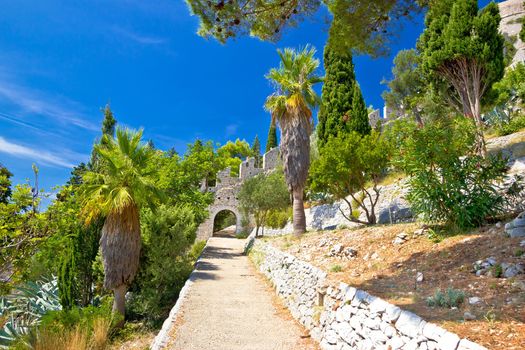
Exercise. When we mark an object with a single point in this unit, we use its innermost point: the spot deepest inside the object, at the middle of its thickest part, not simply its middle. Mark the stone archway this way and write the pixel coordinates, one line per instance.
(232, 210)
(205, 230)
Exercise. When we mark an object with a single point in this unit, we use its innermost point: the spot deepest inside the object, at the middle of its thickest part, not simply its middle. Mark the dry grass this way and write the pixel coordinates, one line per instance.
(100, 337)
(391, 274)
(136, 336)
(77, 339)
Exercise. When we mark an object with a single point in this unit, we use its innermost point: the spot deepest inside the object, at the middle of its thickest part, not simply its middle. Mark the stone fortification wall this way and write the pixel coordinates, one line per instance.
(227, 188)
(341, 317)
(512, 12)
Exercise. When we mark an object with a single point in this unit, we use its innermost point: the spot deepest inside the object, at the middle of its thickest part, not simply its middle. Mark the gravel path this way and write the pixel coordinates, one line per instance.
(230, 307)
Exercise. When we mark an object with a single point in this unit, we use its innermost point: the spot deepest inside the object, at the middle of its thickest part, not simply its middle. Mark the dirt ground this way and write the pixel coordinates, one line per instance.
(231, 307)
(390, 273)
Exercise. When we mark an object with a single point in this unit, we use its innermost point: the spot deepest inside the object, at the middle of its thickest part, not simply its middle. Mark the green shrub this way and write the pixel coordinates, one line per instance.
(497, 271)
(167, 234)
(519, 252)
(450, 298)
(336, 268)
(263, 193)
(447, 182)
(242, 235)
(278, 219)
(196, 249)
(352, 165)
(68, 319)
(514, 125)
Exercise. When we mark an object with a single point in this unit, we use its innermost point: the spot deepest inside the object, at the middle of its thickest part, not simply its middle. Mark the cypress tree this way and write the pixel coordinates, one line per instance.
(67, 287)
(271, 142)
(109, 123)
(256, 148)
(5, 184)
(337, 114)
(358, 119)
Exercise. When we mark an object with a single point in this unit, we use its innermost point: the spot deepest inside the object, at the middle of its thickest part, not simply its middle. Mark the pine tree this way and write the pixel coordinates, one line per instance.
(337, 114)
(358, 119)
(271, 142)
(462, 54)
(256, 148)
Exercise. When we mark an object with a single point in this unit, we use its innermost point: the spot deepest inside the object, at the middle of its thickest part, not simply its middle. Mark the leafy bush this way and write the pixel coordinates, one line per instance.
(352, 165)
(450, 298)
(242, 235)
(278, 218)
(447, 183)
(497, 271)
(196, 249)
(68, 319)
(514, 125)
(263, 193)
(168, 234)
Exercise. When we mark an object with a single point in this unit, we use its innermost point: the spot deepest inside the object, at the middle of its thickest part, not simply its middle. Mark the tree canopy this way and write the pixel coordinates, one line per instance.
(357, 24)
(407, 85)
(5, 184)
(462, 54)
(261, 194)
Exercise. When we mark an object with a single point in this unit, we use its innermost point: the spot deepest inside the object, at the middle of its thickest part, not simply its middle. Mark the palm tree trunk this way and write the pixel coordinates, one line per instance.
(299, 218)
(119, 304)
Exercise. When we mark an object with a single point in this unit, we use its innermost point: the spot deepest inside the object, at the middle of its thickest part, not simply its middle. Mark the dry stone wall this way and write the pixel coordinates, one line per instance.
(341, 317)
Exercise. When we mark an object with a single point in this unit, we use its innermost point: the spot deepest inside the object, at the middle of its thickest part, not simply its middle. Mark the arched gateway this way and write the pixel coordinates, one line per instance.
(227, 189)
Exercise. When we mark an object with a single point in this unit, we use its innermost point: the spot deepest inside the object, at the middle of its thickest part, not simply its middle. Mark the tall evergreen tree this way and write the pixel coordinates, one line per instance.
(358, 119)
(67, 284)
(337, 93)
(5, 184)
(108, 128)
(271, 141)
(256, 148)
(462, 54)
(109, 123)
(336, 115)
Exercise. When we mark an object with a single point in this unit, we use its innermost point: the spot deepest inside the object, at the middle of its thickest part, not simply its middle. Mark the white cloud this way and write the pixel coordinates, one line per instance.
(139, 38)
(59, 109)
(36, 155)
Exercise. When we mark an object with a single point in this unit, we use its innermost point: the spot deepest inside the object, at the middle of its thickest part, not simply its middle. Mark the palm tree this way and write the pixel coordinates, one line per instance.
(291, 106)
(116, 190)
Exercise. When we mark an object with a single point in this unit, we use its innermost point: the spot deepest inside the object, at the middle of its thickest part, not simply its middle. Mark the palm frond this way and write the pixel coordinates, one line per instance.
(123, 179)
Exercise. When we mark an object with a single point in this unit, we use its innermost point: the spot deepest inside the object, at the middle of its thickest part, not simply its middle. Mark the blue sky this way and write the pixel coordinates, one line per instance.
(62, 61)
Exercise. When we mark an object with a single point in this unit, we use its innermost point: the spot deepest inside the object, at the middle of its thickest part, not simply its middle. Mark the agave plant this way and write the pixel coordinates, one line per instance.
(23, 309)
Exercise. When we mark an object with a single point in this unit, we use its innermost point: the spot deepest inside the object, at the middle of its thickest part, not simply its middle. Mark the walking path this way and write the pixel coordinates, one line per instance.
(230, 307)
